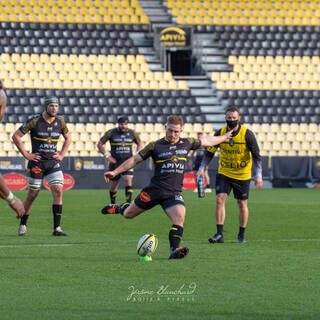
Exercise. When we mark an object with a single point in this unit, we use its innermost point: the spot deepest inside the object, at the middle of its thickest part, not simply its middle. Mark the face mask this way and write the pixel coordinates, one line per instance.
(232, 124)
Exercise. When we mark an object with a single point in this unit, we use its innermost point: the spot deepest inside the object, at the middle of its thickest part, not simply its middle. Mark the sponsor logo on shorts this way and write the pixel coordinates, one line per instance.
(178, 197)
(144, 197)
(36, 170)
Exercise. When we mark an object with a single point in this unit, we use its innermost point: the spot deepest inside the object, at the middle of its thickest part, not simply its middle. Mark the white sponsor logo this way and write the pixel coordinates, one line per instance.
(178, 197)
(183, 151)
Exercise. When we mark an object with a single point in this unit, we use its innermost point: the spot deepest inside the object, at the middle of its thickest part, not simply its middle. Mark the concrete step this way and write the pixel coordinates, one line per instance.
(211, 67)
(204, 92)
(146, 50)
(139, 39)
(203, 42)
(211, 51)
(217, 118)
(214, 109)
(202, 36)
(213, 59)
(198, 83)
(207, 100)
(158, 19)
(154, 11)
(154, 66)
(151, 58)
(150, 3)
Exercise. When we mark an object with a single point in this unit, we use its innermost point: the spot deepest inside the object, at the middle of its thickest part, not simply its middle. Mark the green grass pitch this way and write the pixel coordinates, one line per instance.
(95, 272)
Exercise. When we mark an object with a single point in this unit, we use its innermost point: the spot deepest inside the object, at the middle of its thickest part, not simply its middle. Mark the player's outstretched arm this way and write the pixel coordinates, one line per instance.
(18, 207)
(125, 166)
(209, 141)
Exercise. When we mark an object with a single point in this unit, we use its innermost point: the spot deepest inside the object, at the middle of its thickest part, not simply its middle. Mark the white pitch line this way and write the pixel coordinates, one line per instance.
(130, 242)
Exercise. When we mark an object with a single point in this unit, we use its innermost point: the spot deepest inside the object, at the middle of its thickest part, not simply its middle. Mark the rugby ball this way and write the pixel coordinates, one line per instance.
(147, 245)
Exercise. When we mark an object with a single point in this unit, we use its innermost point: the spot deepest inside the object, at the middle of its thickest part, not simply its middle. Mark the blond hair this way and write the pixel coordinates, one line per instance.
(175, 120)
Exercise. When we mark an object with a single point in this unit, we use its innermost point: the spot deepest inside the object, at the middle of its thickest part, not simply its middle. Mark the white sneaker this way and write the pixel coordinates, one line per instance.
(22, 230)
(207, 190)
(195, 190)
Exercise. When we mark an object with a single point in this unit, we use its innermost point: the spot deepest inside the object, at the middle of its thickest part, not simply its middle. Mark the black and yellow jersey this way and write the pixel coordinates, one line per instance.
(44, 135)
(121, 143)
(169, 160)
(236, 154)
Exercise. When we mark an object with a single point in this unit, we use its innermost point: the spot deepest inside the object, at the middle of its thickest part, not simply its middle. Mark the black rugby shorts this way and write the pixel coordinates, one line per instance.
(41, 168)
(240, 187)
(152, 196)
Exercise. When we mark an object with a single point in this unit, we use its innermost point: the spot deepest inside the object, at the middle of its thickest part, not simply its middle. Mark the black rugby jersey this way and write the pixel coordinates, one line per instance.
(44, 135)
(169, 161)
(121, 143)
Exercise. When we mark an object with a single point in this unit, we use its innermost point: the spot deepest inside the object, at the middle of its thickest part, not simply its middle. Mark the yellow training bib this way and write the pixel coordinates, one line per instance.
(235, 157)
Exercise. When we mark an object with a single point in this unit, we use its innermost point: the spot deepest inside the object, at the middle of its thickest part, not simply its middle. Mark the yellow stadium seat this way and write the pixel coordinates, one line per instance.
(148, 127)
(315, 146)
(153, 136)
(144, 137)
(95, 137)
(139, 127)
(305, 145)
(197, 127)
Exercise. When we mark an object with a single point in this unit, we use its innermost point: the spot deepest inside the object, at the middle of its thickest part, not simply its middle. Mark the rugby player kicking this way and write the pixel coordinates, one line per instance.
(169, 155)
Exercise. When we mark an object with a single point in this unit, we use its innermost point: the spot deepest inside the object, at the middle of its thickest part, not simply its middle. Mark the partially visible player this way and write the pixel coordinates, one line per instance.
(5, 193)
(169, 155)
(196, 158)
(44, 160)
(234, 171)
(121, 140)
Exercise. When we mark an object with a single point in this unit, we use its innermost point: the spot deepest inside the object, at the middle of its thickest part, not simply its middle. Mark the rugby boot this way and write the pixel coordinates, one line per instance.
(179, 253)
(22, 231)
(58, 232)
(217, 238)
(115, 208)
(241, 238)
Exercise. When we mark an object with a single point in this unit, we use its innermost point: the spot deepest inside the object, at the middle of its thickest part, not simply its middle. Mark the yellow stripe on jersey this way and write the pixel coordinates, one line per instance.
(159, 161)
(121, 144)
(46, 139)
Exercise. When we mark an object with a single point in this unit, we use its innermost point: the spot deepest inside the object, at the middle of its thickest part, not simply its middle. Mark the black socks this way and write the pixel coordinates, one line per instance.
(175, 235)
(57, 211)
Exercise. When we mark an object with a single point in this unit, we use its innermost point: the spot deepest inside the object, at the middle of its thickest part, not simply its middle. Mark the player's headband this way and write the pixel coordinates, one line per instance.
(123, 120)
(51, 100)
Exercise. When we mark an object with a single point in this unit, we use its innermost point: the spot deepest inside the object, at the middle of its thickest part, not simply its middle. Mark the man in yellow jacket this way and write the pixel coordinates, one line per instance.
(234, 173)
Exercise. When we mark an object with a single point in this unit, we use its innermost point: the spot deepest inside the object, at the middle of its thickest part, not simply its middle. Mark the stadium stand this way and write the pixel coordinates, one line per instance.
(261, 56)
